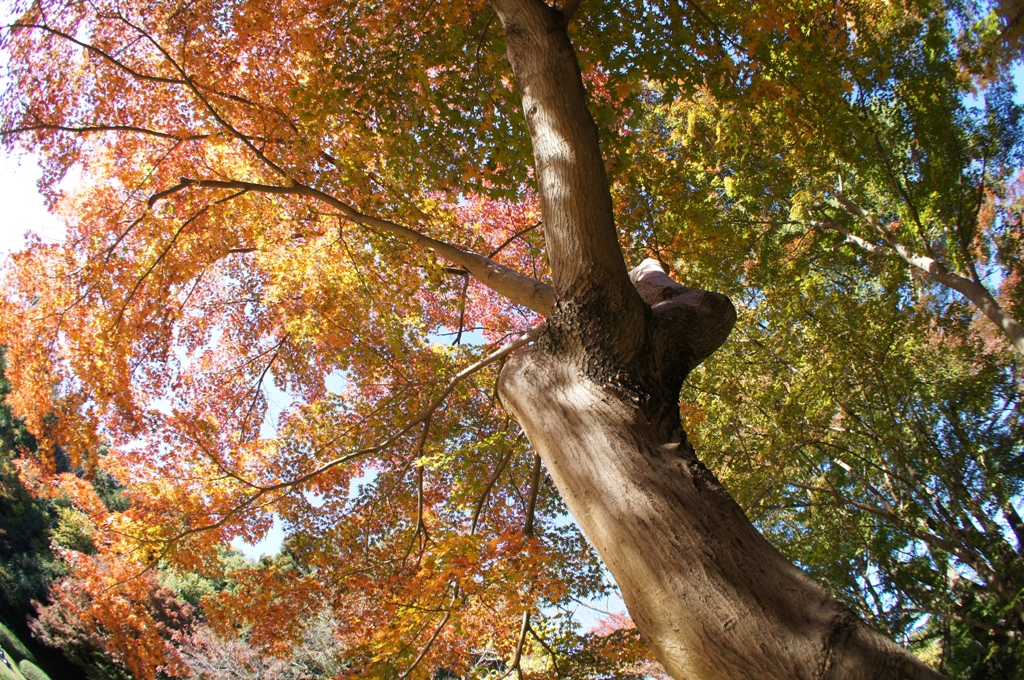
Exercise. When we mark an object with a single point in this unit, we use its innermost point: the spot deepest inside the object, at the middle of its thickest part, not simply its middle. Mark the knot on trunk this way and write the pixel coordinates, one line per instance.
(687, 325)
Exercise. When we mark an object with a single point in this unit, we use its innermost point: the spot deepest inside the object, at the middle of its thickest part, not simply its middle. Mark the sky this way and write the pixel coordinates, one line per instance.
(21, 207)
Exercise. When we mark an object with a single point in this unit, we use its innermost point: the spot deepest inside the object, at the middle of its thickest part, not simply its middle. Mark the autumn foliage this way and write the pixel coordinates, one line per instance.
(264, 311)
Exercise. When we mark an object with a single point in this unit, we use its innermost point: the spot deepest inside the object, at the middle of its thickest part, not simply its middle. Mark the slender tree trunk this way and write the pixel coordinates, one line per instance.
(598, 398)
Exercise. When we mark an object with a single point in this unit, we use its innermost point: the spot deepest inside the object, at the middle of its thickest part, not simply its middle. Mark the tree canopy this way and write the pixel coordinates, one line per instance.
(305, 237)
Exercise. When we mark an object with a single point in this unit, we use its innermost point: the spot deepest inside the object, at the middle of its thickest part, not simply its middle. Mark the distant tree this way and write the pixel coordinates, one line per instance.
(211, 657)
(131, 634)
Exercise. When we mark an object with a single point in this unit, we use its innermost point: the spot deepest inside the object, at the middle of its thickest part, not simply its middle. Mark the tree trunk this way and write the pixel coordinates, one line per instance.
(712, 598)
(598, 398)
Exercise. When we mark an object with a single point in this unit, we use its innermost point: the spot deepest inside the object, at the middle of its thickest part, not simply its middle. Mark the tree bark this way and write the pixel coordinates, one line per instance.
(587, 266)
(712, 598)
(598, 398)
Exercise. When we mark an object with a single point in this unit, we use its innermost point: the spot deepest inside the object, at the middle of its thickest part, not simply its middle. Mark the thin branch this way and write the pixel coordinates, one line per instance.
(426, 648)
(851, 237)
(462, 307)
(288, 485)
(521, 290)
(531, 505)
(927, 537)
(190, 84)
(100, 53)
(487, 490)
(973, 291)
(903, 192)
(518, 657)
(869, 486)
(215, 459)
(166, 250)
(513, 237)
(258, 387)
(421, 527)
(1014, 520)
(96, 127)
(547, 648)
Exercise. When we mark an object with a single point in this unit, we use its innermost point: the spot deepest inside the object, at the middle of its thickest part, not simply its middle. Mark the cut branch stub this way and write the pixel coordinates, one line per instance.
(696, 321)
(684, 327)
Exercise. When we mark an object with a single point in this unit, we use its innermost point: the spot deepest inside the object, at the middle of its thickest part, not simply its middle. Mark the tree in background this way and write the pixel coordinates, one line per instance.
(249, 175)
(27, 566)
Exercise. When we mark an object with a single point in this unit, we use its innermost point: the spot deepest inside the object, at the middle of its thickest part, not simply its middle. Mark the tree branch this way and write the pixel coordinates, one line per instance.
(973, 291)
(850, 237)
(426, 647)
(1014, 520)
(98, 52)
(191, 85)
(512, 238)
(421, 527)
(517, 658)
(547, 648)
(487, 490)
(164, 252)
(569, 8)
(521, 290)
(287, 486)
(531, 506)
(99, 127)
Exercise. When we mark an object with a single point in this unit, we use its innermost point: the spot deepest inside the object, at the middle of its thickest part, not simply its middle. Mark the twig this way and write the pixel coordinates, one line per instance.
(513, 237)
(517, 658)
(487, 490)
(426, 648)
(169, 543)
(421, 527)
(551, 653)
(531, 505)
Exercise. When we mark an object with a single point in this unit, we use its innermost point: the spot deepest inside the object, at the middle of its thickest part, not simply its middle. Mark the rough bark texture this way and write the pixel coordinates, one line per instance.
(598, 398)
(709, 594)
(587, 266)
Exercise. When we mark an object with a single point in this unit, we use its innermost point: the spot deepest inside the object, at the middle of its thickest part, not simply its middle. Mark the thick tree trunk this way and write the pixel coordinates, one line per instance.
(709, 594)
(598, 398)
